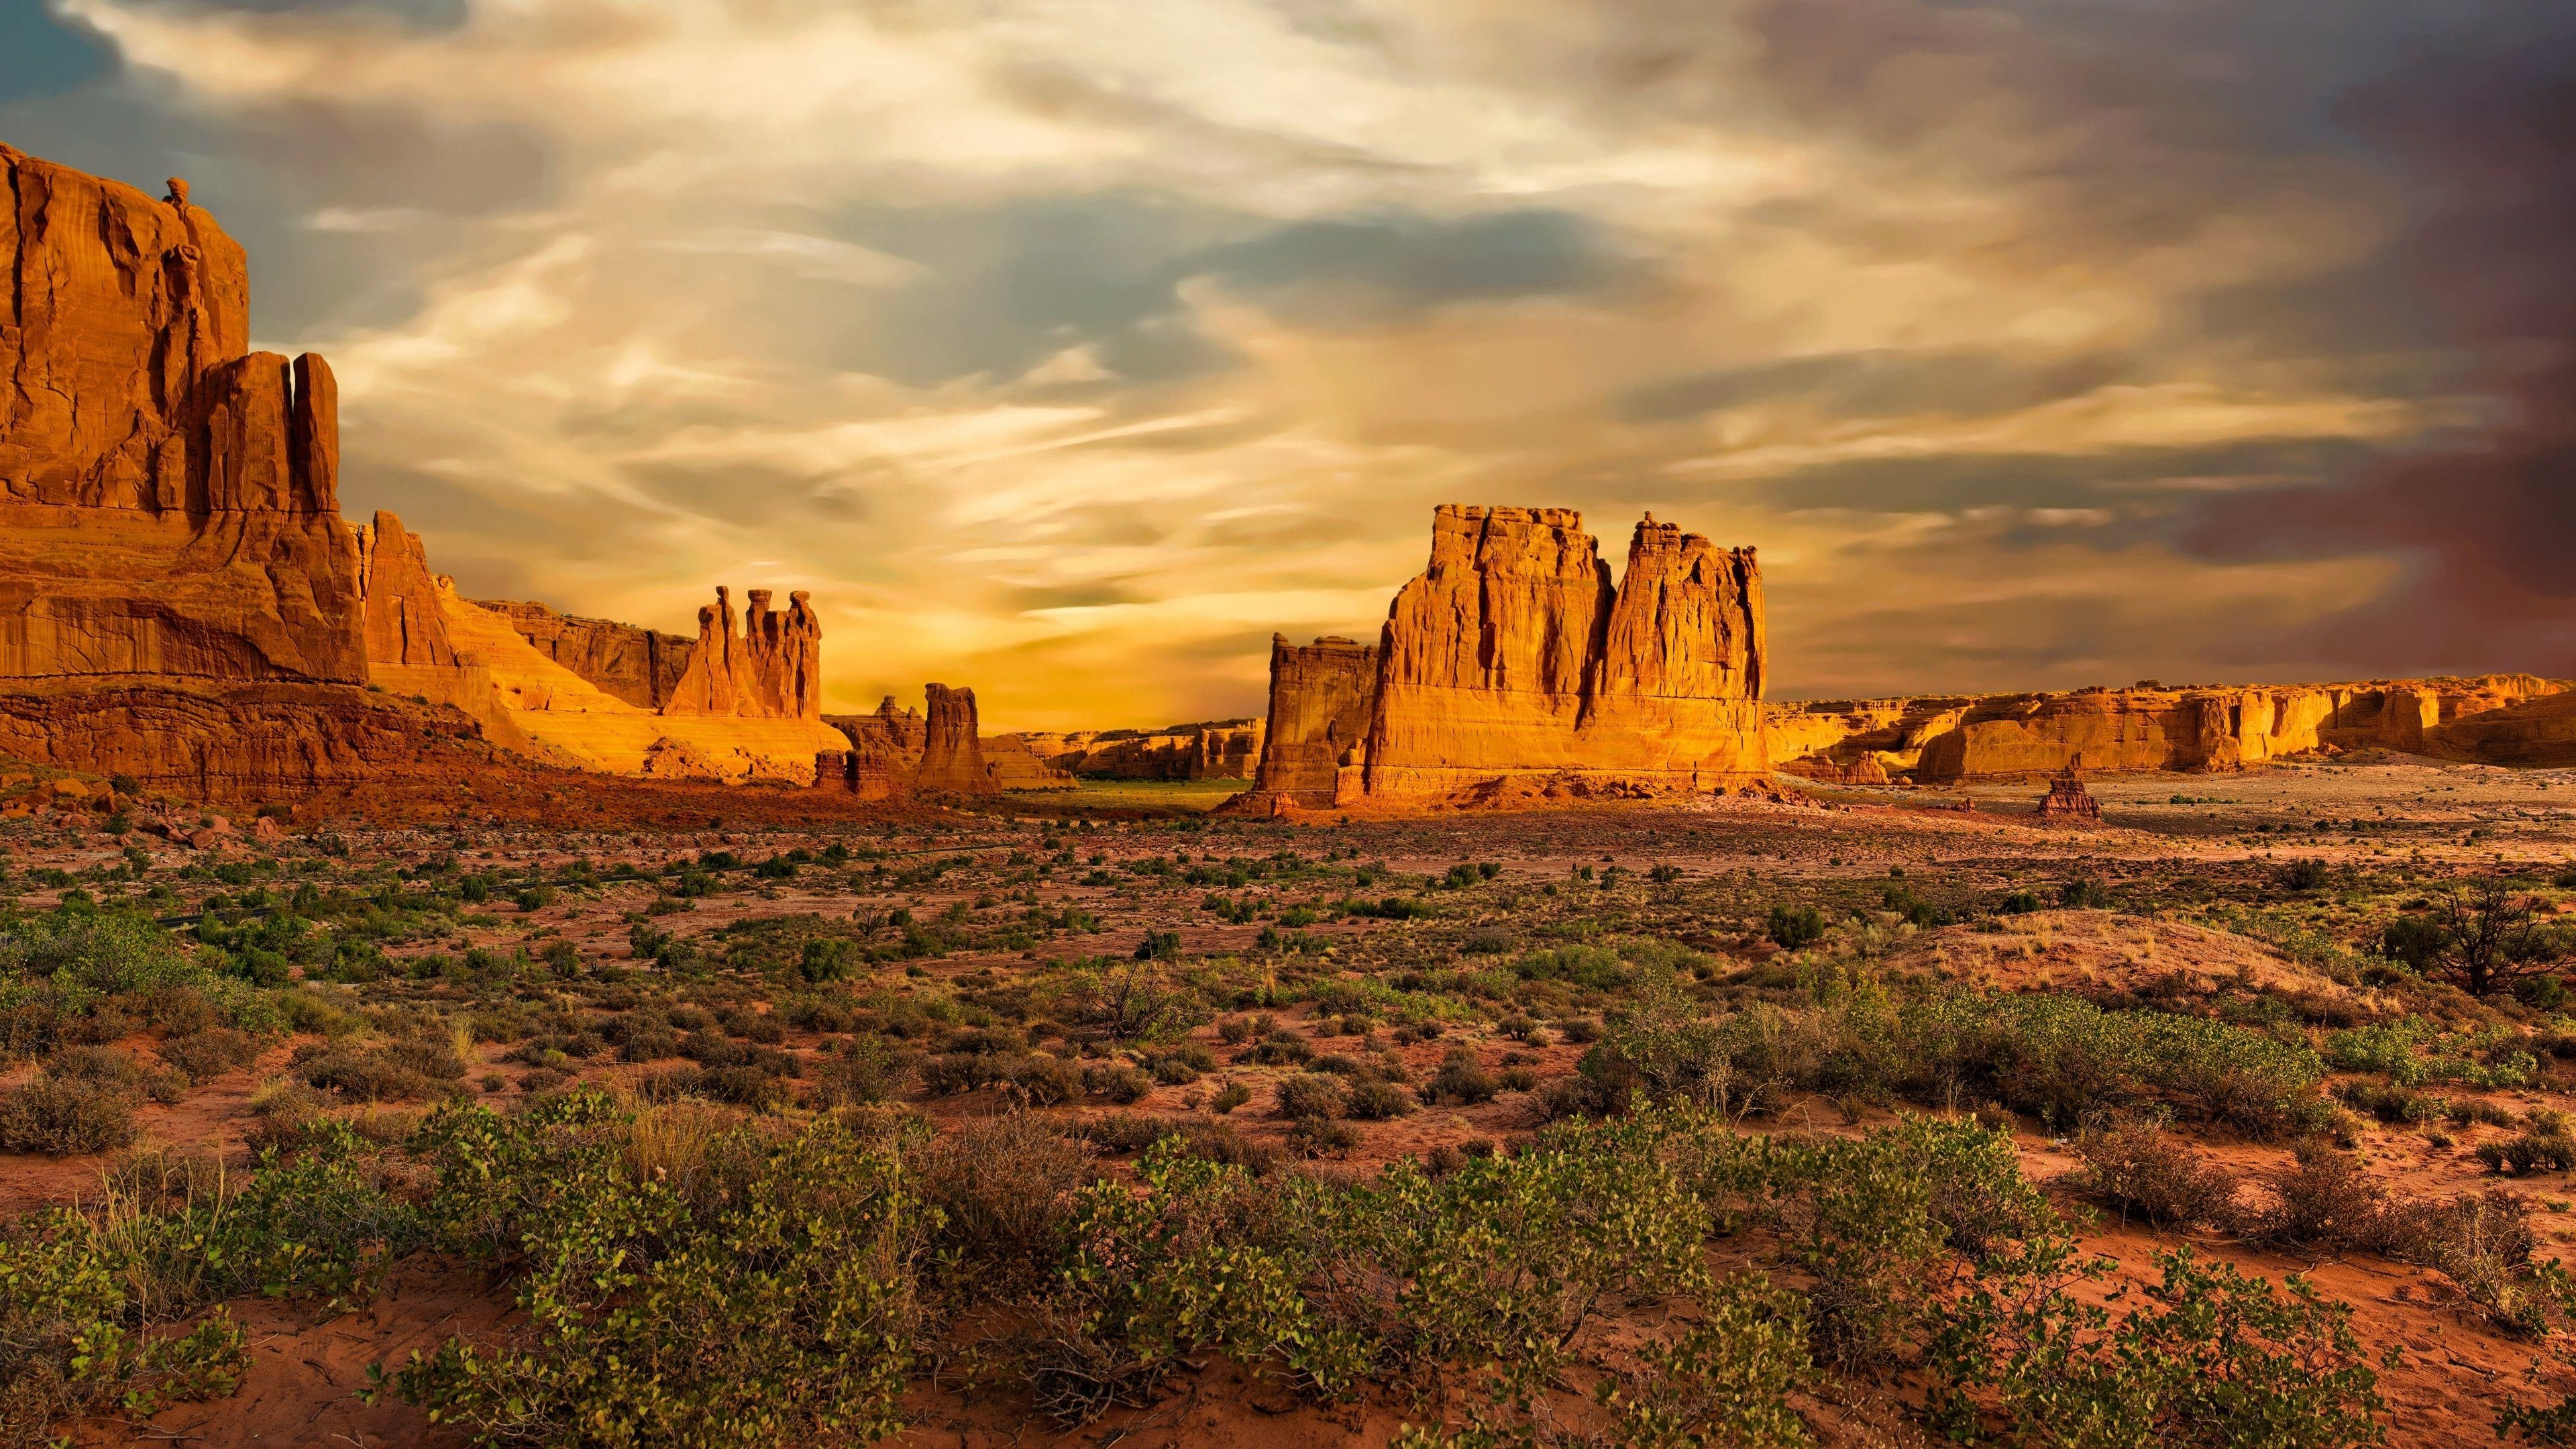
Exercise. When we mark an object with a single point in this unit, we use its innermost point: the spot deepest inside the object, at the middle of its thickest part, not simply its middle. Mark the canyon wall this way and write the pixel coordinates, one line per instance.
(640, 666)
(1512, 661)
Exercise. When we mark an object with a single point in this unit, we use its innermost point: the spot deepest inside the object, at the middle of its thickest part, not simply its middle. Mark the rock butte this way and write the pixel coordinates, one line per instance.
(1512, 661)
(896, 752)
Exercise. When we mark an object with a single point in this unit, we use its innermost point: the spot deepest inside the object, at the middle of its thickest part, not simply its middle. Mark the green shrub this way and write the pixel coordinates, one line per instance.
(783, 1313)
(1793, 928)
(1377, 1102)
(1461, 1081)
(1117, 1082)
(1045, 1081)
(1309, 1096)
(828, 958)
(2084, 893)
(2210, 1357)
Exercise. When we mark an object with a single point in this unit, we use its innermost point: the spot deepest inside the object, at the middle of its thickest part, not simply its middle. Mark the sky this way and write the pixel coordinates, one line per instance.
(1068, 348)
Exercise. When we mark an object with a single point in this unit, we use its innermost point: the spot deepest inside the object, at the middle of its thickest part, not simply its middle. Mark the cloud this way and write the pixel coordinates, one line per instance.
(2034, 343)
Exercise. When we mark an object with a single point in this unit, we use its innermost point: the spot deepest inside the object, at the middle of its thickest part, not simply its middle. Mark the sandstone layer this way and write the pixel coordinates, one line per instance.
(640, 666)
(2151, 727)
(239, 742)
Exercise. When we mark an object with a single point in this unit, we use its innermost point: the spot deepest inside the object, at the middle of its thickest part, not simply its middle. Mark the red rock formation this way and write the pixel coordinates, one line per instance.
(952, 754)
(400, 597)
(1322, 698)
(240, 742)
(1677, 696)
(2150, 727)
(773, 669)
(1512, 656)
(2068, 802)
(2535, 733)
(1485, 654)
(167, 503)
(885, 751)
(640, 666)
(1011, 765)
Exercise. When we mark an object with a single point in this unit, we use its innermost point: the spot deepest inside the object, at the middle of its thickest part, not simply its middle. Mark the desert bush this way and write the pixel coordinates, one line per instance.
(1045, 1081)
(1461, 1081)
(63, 1115)
(1322, 1137)
(2484, 1241)
(1004, 1187)
(1309, 1096)
(2325, 1200)
(1229, 1097)
(864, 1071)
(1377, 1102)
(2142, 1168)
(209, 1053)
(2529, 1152)
(948, 1073)
(1117, 1082)
(2206, 1357)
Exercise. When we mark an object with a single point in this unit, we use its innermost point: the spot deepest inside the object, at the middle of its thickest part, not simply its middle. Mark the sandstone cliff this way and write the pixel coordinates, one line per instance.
(897, 752)
(168, 500)
(883, 751)
(640, 666)
(1511, 667)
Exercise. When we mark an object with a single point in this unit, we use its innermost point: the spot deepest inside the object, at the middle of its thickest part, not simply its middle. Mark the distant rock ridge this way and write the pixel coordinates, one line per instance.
(1227, 749)
(2500, 718)
(1512, 660)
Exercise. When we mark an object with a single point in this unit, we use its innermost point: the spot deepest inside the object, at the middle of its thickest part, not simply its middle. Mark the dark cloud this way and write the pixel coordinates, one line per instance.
(1005, 285)
(1883, 383)
(2486, 139)
(44, 54)
(1392, 269)
(423, 14)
